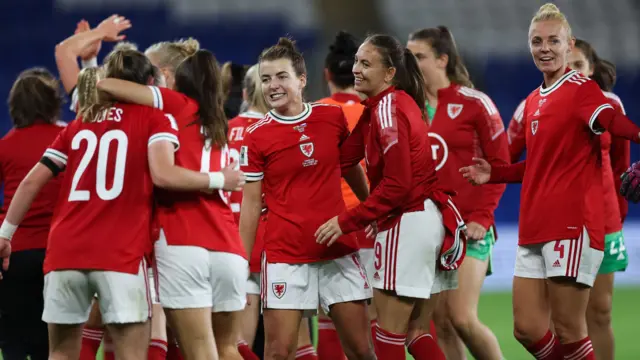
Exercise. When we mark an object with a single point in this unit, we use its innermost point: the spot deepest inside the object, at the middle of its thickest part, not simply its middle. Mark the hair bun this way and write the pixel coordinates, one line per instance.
(287, 43)
(125, 45)
(190, 46)
(344, 43)
(548, 8)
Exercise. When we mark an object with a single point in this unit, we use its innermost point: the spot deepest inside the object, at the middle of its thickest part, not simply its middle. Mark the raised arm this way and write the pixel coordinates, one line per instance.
(128, 91)
(67, 51)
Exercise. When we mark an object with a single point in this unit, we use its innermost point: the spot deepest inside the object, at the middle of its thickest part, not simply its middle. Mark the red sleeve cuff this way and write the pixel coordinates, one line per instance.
(346, 223)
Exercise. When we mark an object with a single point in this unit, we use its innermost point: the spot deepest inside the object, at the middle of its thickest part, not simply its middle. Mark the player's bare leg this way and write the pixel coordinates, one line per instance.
(462, 305)
(448, 339)
(65, 341)
(352, 323)
(194, 331)
(130, 341)
(599, 317)
(568, 301)
(304, 345)
(531, 309)
(158, 329)
(281, 328)
(250, 319)
(226, 326)
(93, 333)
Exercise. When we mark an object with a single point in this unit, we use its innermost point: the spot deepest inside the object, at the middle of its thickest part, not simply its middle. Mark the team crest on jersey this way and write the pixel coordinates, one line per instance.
(279, 289)
(454, 110)
(307, 149)
(534, 127)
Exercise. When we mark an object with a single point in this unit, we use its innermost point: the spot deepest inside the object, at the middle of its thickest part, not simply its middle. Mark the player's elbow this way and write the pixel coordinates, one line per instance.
(161, 175)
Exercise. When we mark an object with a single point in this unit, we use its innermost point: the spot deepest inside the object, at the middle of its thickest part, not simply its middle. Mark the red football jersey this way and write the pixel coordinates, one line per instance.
(467, 124)
(392, 138)
(237, 128)
(103, 217)
(20, 150)
(196, 218)
(516, 134)
(562, 184)
(297, 159)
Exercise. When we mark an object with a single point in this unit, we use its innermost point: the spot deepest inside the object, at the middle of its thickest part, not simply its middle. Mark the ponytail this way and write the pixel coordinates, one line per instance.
(90, 104)
(604, 72)
(413, 80)
(408, 75)
(199, 78)
(442, 42)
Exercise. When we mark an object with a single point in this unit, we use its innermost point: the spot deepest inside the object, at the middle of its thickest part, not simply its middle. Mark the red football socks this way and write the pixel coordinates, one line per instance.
(579, 350)
(547, 348)
(424, 347)
(389, 346)
(91, 340)
(329, 347)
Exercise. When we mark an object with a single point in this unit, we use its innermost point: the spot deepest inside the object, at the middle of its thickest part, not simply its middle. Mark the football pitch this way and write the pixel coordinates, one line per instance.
(495, 312)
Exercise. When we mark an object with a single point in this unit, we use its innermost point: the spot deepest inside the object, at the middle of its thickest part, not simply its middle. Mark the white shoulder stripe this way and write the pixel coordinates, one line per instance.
(384, 112)
(56, 155)
(482, 97)
(616, 99)
(519, 113)
(267, 119)
(157, 97)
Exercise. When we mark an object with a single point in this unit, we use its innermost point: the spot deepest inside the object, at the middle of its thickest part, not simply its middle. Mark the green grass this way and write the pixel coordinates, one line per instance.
(495, 312)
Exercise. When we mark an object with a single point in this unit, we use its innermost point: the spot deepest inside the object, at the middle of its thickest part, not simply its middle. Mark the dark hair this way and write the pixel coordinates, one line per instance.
(232, 76)
(35, 96)
(199, 78)
(285, 49)
(340, 59)
(604, 72)
(408, 74)
(442, 42)
(125, 64)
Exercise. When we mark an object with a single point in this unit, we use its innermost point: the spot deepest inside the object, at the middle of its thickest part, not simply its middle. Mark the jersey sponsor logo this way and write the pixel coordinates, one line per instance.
(541, 101)
(439, 150)
(244, 157)
(557, 264)
(303, 138)
(534, 127)
(279, 289)
(307, 149)
(454, 110)
(300, 128)
(537, 113)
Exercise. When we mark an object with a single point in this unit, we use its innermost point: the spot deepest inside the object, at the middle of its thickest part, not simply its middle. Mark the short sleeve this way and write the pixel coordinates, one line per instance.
(251, 159)
(58, 151)
(172, 102)
(590, 102)
(163, 127)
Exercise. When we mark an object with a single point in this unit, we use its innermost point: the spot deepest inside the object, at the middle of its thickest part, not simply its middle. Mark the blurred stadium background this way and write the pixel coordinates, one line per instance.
(491, 35)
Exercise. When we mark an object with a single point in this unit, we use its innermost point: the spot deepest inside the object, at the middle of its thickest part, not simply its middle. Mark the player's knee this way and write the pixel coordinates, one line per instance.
(444, 327)
(569, 329)
(361, 352)
(526, 332)
(279, 350)
(599, 314)
(462, 321)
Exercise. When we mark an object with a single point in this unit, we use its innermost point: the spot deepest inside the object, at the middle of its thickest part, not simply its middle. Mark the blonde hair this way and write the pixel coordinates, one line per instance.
(253, 87)
(89, 102)
(170, 54)
(125, 45)
(227, 78)
(550, 11)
